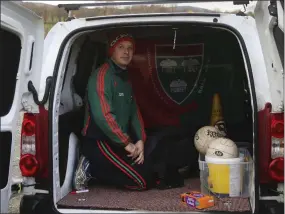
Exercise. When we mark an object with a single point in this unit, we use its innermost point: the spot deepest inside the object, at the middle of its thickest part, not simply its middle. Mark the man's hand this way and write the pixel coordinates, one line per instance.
(132, 150)
(140, 148)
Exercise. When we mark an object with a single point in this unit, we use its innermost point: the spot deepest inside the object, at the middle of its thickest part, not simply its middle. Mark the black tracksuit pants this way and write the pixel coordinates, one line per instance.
(111, 165)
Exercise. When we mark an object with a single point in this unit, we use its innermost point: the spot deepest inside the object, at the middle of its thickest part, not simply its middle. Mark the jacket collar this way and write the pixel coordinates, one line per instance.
(117, 69)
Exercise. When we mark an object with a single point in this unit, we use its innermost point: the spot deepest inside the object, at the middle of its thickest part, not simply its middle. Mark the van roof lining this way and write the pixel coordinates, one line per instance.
(155, 31)
(150, 15)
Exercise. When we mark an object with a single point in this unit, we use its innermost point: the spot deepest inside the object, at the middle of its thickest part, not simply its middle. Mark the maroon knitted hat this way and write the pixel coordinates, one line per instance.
(114, 41)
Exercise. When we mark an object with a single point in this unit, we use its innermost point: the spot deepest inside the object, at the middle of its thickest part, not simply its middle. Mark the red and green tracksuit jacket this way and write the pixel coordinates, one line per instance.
(111, 111)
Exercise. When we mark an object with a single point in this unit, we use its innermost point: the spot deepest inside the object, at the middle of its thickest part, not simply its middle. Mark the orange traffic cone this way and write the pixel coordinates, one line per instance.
(217, 118)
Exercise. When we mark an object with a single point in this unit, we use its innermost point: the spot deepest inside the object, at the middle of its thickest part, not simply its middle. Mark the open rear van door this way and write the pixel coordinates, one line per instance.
(269, 20)
(269, 17)
(22, 37)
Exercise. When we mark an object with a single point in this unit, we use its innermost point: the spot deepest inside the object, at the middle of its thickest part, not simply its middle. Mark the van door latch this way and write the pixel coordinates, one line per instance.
(34, 92)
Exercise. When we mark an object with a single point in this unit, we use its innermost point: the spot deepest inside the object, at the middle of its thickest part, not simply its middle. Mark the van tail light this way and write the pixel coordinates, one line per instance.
(34, 145)
(276, 169)
(276, 166)
(28, 163)
(270, 145)
(277, 125)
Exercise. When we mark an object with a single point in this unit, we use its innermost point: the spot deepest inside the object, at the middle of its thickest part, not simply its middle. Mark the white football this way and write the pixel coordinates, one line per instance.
(204, 136)
(222, 148)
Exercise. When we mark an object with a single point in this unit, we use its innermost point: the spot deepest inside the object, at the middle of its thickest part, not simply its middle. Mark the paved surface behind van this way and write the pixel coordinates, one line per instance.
(15, 201)
(14, 204)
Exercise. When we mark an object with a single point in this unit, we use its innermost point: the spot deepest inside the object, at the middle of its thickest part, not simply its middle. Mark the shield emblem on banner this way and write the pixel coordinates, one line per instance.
(179, 69)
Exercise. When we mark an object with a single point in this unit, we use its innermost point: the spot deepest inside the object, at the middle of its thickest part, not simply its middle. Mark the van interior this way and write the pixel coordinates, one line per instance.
(207, 59)
(10, 62)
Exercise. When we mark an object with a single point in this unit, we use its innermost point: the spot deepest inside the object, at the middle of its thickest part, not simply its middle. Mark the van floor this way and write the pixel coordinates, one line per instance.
(108, 198)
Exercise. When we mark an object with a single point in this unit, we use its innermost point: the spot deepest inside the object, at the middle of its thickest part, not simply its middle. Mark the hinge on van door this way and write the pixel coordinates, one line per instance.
(32, 89)
(272, 8)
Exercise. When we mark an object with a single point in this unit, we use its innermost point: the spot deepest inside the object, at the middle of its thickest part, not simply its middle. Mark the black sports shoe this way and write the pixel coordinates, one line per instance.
(172, 179)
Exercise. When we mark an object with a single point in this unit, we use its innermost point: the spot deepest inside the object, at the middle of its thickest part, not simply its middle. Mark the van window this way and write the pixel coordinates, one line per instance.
(10, 58)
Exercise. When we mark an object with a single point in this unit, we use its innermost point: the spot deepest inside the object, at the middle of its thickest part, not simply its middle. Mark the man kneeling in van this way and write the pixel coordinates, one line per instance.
(115, 157)
(114, 137)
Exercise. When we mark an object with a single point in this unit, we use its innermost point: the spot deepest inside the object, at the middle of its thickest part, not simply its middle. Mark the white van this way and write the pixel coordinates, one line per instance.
(43, 84)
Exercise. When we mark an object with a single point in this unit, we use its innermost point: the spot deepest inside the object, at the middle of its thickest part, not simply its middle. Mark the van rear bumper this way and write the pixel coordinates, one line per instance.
(42, 203)
(39, 203)
(270, 207)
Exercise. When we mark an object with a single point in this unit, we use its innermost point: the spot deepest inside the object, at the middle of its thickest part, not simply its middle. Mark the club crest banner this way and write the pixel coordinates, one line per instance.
(164, 80)
(178, 70)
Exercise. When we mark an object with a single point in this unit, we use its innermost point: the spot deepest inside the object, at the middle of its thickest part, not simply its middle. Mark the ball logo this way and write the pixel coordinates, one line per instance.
(220, 125)
(197, 136)
(213, 134)
(219, 153)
